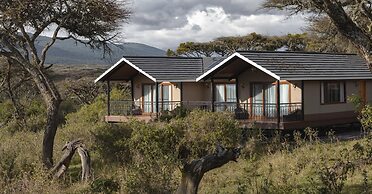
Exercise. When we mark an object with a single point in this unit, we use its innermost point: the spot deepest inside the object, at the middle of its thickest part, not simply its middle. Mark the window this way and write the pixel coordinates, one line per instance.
(225, 97)
(225, 93)
(332, 92)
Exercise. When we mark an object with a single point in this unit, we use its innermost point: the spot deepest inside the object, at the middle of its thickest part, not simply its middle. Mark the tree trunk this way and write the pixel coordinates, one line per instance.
(52, 100)
(50, 131)
(70, 147)
(346, 26)
(189, 183)
(193, 172)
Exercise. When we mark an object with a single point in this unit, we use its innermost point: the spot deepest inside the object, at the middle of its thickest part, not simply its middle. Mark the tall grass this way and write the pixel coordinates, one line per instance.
(266, 165)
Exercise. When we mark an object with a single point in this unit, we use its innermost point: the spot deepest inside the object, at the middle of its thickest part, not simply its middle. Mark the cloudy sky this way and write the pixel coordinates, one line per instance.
(166, 23)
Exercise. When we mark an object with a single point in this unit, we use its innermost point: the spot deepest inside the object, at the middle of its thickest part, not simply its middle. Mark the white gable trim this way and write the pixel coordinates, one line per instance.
(127, 62)
(244, 59)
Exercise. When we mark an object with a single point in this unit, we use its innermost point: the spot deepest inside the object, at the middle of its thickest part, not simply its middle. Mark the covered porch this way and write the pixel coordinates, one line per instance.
(253, 95)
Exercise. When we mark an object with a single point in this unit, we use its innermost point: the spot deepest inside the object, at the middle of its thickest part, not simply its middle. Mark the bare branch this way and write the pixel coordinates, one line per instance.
(31, 44)
(48, 45)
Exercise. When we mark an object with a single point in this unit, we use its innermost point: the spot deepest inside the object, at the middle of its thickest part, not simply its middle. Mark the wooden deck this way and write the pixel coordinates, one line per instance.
(123, 119)
(247, 123)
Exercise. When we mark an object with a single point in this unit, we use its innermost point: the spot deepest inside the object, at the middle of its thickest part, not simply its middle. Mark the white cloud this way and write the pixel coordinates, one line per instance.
(212, 22)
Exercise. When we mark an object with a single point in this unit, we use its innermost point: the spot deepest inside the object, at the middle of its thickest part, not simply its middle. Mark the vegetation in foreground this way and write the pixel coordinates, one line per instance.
(145, 158)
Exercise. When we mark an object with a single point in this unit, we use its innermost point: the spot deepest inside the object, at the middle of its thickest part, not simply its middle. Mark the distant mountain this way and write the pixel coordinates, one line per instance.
(70, 52)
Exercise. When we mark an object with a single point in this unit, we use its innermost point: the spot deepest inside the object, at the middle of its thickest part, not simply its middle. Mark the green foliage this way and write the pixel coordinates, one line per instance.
(111, 143)
(106, 186)
(138, 157)
(153, 148)
(204, 130)
(309, 41)
(365, 118)
(6, 111)
(178, 112)
(334, 177)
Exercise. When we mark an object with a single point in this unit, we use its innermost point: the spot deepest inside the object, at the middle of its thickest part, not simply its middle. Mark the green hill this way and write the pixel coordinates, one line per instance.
(71, 52)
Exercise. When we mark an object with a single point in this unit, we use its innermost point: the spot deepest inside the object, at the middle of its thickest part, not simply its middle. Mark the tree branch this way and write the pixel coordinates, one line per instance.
(31, 44)
(48, 45)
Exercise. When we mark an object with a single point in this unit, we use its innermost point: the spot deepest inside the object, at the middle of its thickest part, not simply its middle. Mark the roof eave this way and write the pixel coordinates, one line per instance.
(242, 58)
(112, 68)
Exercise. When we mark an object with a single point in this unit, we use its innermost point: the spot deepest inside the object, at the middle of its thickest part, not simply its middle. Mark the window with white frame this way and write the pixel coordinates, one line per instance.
(332, 92)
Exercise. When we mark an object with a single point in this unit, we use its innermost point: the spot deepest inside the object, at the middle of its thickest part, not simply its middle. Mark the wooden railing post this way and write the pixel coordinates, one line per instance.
(278, 102)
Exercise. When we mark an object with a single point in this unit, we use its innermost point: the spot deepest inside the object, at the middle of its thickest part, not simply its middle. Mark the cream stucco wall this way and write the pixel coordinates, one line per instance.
(197, 91)
(312, 98)
(296, 92)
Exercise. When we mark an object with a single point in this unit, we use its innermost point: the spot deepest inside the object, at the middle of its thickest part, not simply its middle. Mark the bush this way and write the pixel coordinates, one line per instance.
(365, 118)
(106, 186)
(178, 112)
(111, 143)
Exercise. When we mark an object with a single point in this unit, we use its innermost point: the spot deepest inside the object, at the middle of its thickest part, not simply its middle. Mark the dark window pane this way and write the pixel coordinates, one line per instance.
(332, 92)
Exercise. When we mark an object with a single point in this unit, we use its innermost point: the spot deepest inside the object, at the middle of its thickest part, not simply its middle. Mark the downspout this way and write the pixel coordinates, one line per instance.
(278, 102)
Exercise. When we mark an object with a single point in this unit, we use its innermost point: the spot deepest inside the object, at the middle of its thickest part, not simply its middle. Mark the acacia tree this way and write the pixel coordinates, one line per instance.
(351, 18)
(91, 22)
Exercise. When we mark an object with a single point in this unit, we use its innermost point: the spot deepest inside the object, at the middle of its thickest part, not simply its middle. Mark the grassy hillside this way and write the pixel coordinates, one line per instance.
(142, 158)
(275, 165)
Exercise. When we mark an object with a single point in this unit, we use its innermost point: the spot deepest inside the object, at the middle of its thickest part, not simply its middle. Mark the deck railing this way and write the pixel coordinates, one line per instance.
(255, 111)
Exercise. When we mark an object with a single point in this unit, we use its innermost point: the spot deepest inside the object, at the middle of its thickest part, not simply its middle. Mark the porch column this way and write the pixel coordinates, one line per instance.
(213, 92)
(237, 91)
(108, 98)
(303, 99)
(157, 98)
(278, 102)
(132, 90)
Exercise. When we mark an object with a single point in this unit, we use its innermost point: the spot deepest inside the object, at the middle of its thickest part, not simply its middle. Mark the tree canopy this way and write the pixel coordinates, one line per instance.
(350, 18)
(92, 22)
(316, 38)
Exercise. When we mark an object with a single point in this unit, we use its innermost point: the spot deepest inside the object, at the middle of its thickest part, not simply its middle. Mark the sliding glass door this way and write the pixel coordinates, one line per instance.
(264, 99)
(270, 101)
(149, 98)
(258, 100)
(284, 99)
(166, 97)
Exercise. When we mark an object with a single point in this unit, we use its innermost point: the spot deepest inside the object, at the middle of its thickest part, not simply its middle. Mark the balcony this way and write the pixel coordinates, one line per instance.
(257, 112)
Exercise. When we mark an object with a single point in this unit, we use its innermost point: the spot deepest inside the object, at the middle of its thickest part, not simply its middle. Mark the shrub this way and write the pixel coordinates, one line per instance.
(365, 118)
(111, 143)
(106, 186)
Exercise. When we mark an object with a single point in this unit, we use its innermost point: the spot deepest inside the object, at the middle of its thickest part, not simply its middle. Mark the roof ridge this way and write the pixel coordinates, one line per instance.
(296, 52)
(163, 57)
